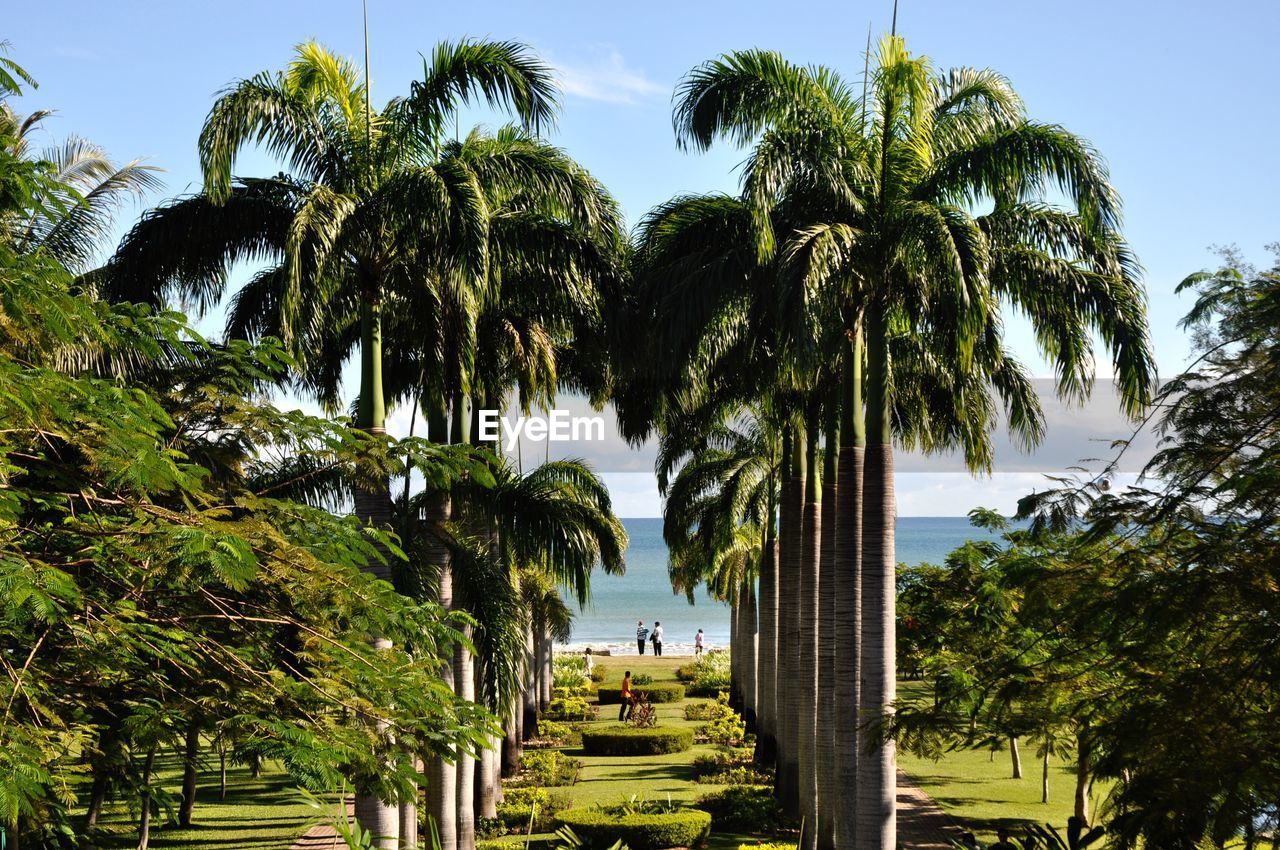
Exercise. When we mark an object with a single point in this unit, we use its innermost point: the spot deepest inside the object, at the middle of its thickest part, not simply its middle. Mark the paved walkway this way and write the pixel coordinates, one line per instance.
(922, 824)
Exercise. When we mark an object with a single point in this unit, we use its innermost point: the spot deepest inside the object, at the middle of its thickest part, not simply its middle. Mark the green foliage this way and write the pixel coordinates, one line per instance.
(630, 741)
(598, 673)
(569, 671)
(521, 803)
(639, 831)
(519, 843)
(709, 764)
(744, 808)
(553, 733)
(642, 679)
(571, 708)
(711, 673)
(737, 775)
(686, 673)
(767, 845)
(547, 768)
(660, 692)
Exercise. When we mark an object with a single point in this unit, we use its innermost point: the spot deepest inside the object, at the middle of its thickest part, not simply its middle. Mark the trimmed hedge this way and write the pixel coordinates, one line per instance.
(684, 828)
(630, 741)
(661, 692)
(517, 842)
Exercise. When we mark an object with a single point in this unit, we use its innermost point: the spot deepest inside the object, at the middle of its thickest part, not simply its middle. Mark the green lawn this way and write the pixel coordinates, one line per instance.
(265, 813)
(258, 814)
(980, 790)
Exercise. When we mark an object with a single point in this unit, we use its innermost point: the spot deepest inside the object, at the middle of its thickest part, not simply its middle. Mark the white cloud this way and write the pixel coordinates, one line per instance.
(608, 78)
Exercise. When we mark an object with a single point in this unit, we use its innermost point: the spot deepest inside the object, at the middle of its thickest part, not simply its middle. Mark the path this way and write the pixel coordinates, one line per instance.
(922, 824)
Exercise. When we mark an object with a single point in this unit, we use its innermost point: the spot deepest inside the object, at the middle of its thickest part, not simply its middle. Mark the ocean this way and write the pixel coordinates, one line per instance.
(644, 593)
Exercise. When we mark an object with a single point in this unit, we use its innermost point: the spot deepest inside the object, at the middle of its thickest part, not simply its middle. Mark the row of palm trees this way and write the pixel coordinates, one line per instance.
(848, 300)
(460, 271)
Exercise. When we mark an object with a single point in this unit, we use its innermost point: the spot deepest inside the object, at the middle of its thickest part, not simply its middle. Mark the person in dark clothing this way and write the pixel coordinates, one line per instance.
(657, 638)
(1002, 841)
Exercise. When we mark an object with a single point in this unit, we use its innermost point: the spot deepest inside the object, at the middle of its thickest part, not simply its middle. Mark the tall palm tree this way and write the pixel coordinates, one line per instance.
(371, 212)
(893, 183)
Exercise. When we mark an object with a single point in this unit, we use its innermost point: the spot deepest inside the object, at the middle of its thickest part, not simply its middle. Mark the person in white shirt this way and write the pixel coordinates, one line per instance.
(641, 635)
(657, 638)
(697, 643)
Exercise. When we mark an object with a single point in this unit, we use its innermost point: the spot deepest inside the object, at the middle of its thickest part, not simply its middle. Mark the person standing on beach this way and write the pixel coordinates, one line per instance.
(697, 643)
(657, 638)
(626, 700)
(586, 656)
(642, 634)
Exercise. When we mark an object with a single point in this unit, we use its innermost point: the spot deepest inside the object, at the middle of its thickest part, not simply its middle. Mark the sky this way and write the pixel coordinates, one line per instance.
(1177, 96)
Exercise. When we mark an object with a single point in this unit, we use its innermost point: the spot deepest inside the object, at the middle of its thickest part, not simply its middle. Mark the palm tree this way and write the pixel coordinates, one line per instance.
(886, 189)
(374, 211)
(72, 218)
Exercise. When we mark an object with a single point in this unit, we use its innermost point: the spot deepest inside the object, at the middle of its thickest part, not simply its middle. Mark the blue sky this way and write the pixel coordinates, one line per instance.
(1179, 97)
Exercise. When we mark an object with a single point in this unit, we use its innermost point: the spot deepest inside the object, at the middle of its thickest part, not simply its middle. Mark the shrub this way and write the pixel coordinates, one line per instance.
(552, 733)
(547, 768)
(570, 708)
(701, 711)
(726, 730)
(765, 845)
(568, 671)
(598, 673)
(600, 829)
(736, 775)
(711, 673)
(662, 692)
(642, 679)
(686, 673)
(517, 843)
(582, 690)
(519, 803)
(743, 808)
(630, 741)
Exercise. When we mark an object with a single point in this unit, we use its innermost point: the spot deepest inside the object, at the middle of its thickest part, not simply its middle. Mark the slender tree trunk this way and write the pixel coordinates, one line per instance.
(807, 644)
(487, 779)
(513, 739)
(144, 804)
(877, 779)
(1016, 756)
(373, 507)
(791, 537)
(465, 679)
(544, 693)
(766, 704)
(1044, 776)
(255, 766)
(409, 814)
(751, 657)
(442, 776)
(531, 674)
(736, 653)
(1083, 767)
(190, 772)
(848, 612)
(222, 768)
(825, 742)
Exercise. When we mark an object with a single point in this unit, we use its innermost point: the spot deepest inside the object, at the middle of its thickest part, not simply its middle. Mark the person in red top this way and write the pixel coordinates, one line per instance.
(628, 698)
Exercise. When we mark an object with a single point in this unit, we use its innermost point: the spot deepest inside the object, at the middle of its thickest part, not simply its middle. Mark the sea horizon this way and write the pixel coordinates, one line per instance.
(608, 622)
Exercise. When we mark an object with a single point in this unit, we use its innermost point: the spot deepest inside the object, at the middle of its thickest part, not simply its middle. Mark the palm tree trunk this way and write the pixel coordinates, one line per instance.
(442, 778)
(751, 657)
(144, 804)
(790, 535)
(1016, 756)
(825, 743)
(529, 726)
(735, 675)
(465, 682)
(190, 772)
(877, 769)
(373, 507)
(546, 676)
(1044, 776)
(807, 643)
(487, 779)
(767, 647)
(848, 602)
(513, 738)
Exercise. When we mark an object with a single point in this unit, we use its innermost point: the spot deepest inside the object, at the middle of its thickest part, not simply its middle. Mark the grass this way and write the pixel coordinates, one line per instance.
(980, 790)
(258, 814)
